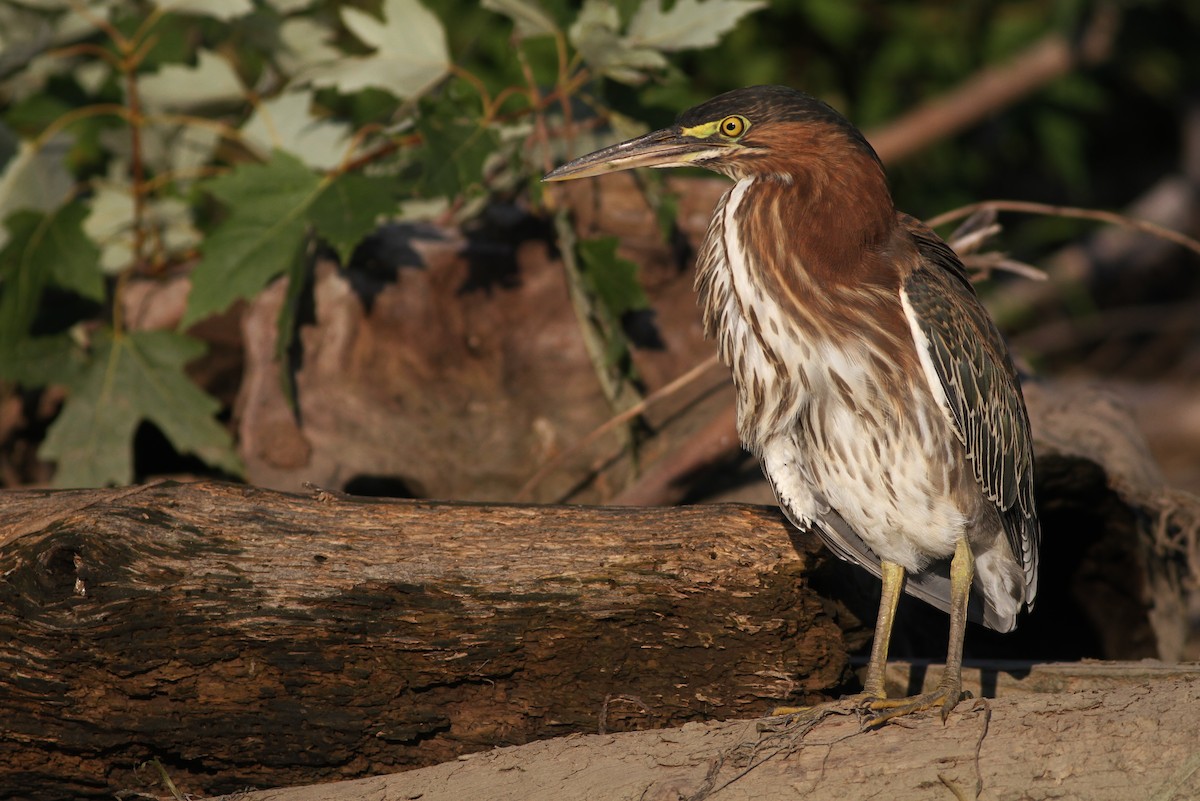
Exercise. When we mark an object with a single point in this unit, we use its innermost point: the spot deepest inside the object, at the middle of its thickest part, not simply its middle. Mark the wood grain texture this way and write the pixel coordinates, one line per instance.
(247, 637)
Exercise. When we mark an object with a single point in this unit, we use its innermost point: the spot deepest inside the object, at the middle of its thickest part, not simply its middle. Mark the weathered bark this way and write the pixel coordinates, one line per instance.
(245, 637)
(1129, 734)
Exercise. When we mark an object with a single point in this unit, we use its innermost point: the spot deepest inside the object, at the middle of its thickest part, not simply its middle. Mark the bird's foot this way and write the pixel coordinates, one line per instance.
(864, 699)
(946, 696)
(858, 701)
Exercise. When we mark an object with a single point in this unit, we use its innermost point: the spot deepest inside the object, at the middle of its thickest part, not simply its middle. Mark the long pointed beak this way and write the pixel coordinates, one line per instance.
(663, 148)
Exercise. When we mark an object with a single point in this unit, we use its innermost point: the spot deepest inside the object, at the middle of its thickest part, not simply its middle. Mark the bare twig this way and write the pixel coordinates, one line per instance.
(664, 482)
(617, 420)
(983, 265)
(1028, 207)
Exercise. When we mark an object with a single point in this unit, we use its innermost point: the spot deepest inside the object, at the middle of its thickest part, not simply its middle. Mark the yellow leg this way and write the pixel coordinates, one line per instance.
(893, 587)
(949, 690)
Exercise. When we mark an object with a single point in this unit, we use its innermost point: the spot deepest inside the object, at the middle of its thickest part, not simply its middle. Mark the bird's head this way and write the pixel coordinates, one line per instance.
(751, 132)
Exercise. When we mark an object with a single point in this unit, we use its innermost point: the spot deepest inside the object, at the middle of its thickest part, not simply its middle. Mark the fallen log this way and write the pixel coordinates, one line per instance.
(248, 637)
(243, 637)
(1127, 732)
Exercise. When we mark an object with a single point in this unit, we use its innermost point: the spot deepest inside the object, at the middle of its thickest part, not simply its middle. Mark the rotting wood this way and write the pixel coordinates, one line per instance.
(245, 637)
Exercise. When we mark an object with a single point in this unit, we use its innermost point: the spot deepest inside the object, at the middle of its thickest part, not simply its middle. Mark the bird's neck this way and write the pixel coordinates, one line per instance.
(839, 213)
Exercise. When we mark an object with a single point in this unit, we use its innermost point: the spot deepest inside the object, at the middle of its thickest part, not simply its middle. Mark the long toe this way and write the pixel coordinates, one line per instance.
(891, 708)
(864, 700)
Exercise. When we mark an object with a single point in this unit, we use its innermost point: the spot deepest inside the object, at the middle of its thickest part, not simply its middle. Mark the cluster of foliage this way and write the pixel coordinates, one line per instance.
(230, 136)
(144, 138)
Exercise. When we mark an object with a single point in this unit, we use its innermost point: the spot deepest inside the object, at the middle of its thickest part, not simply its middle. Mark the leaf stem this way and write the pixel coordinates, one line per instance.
(485, 96)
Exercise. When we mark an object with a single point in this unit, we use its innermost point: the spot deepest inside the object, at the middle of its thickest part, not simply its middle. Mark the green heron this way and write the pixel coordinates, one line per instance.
(871, 383)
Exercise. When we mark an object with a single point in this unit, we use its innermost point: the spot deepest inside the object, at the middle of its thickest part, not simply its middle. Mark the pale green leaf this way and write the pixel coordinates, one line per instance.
(23, 33)
(178, 149)
(287, 123)
(410, 55)
(110, 224)
(594, 34)
(35, 179)
(92, 75)
(28, 33)
(423, 208)
(529, 18)
(689, 24)
(596, 25)
(224, 10)
(179, 87)
(304, 43)
(133, 378)
(268, 206)
(289, 6)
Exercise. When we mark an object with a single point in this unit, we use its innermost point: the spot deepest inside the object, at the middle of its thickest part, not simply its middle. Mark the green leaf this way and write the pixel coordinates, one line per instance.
(287, 123)
(133, 378)
(612, 283)
(611, 278)
(410, 52)
(42, 250)
(268, 209)
(32, 115)
(36, 178)
(299, 287)
(528, 17)
(40, 361)
(349, 208)
(689, 24)
(453, 152)
(603, 337)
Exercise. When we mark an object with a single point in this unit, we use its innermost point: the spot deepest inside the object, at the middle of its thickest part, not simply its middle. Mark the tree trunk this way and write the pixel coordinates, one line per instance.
(243, 636)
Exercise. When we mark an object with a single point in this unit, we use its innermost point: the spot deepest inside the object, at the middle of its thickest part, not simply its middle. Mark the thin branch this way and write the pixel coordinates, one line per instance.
(485, 97)
(137, 167)
(101, 23)
(1111, 217)
(660, 394)
(983, 265)
(86, 48)
(995, 87)
(96, 110)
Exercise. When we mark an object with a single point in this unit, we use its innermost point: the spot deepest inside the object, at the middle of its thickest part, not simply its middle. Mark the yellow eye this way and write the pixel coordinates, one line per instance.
(733, 126)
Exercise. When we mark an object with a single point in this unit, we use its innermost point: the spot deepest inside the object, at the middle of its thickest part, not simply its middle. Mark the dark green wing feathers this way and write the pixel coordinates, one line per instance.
(982, 391)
